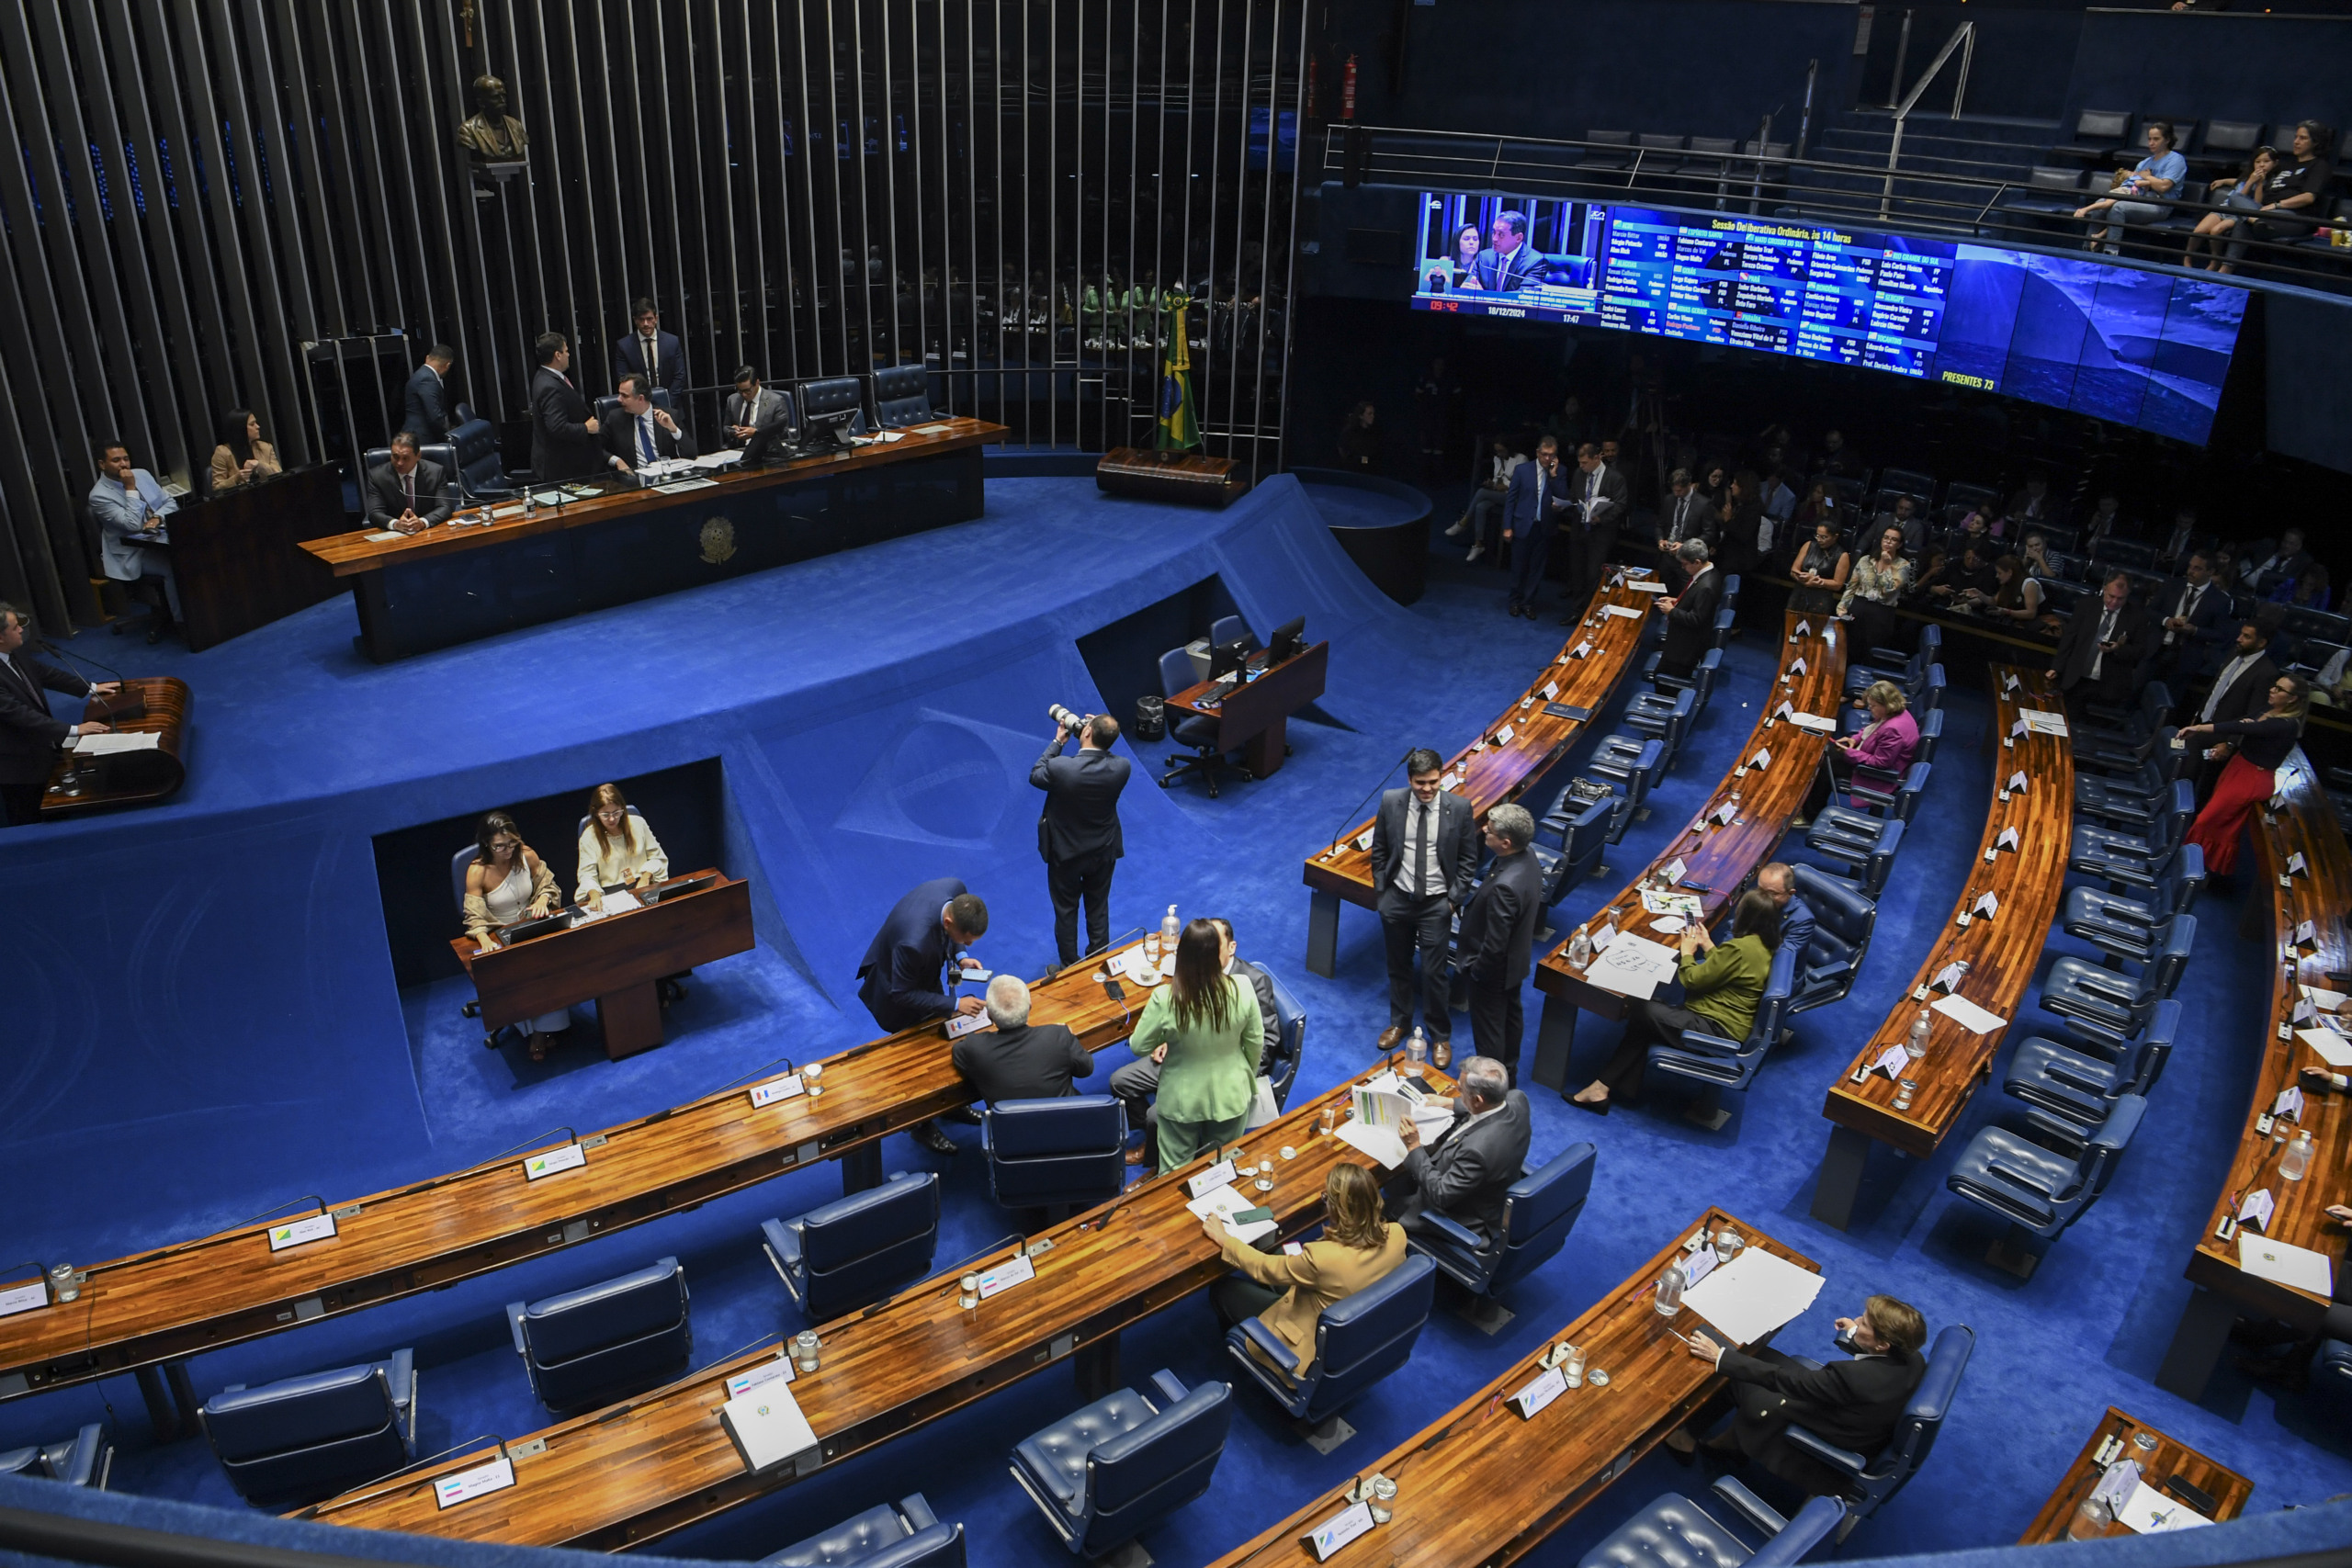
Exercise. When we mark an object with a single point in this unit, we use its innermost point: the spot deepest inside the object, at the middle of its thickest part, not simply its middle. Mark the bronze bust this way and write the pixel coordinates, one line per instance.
(493, 136)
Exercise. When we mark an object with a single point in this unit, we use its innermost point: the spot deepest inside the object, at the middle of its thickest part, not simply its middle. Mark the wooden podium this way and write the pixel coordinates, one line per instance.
(1190, 478)
(155, 704)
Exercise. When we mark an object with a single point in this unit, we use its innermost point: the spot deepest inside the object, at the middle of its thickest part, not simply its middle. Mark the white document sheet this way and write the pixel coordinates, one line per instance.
(114, 741)
(2286, 1263)
(1378, 1142)
(1634, 966)
(1626, 610)
(1225, 1203)
(1753, 1294)
(1969, 1013)
(1644, 587)
(2332, 1047)
(720, 458)
(2324, 998)
(2149, 1512)
(1814, 722)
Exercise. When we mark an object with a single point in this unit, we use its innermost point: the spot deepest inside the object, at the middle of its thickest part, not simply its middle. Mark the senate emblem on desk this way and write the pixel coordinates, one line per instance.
(717, 541)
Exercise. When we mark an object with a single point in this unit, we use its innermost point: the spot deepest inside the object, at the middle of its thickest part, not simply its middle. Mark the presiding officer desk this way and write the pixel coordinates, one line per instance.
(157, 1308)
(492, 570)
(1717, 857)
(1511, 754)
(1481, 1484)
(615, 958)
(2001, 951)
(632, 1473)
(2320, 893)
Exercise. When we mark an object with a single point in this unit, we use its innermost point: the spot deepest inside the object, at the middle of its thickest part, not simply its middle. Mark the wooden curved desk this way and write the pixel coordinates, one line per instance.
(164, 1305)
(147, 705)
(1718, 858)
(2001, 954)
(1491, 770)
(2320, 893)
(636, 1472)
(1482, 1485)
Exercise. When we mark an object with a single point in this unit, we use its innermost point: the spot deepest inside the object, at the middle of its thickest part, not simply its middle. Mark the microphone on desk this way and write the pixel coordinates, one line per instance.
(1091, 953)
(46, 646)
(1350, 817)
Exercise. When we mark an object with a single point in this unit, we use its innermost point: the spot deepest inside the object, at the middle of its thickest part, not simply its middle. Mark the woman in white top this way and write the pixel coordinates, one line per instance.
(507, 884)
(617, 849)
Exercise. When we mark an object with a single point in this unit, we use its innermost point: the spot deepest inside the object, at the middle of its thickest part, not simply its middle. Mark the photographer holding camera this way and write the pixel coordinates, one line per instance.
(1077, 834)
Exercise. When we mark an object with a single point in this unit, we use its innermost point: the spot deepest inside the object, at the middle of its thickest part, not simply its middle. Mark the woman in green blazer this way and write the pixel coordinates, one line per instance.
(1722, 985)
(1209, 1023)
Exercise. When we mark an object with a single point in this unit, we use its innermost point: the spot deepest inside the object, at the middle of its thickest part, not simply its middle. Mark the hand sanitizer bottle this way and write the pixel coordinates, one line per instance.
(1417, 1049)
(1916, 1044)
(1581, 948)
(1169, 929)
(2298, 1157)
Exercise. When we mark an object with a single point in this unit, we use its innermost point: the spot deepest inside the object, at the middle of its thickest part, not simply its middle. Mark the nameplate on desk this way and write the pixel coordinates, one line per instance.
(496, 1476)
(1987, 906)
(23, 1298)
(1697, 1265)
(1539, 1393)
(2017, 783)
(317, 1227)
(1364, 840)
(961, 1024)
(1804, 629)
(1335, 1532)
(2007, 840)
(2295, 863)
(2009, 682)
(777, 1371)
(1502, 735)
(568, 1157)
(1221, 1174)
(1786, 710)
(768, 1093)
(2257, 1209)
(1893, 1061)
(2289, 1103)
(2017, 729)
(1551, 690)
(1796, 667)
(2306, 932)
(1674, 871)
(1763, 758)
(1949, 976)
(676, 486)
(1726, 811)
(1005, 1276)
(1567, 711)
(1581, 650)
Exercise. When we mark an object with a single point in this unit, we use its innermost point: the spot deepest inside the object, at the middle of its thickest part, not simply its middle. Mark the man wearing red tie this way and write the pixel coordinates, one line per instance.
(408, 494)
(29, 733)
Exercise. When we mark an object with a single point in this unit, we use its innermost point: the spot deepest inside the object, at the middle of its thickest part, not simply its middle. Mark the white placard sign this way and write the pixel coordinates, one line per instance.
(1341, 1528)
(1005, 1276)
(23, 1298)
(1539, 1393)
(768, 1093)
(294, 1233)
(568, 1157)
(1221, 1174)
(2007, 840)
(1763, 758)
(496, 1476)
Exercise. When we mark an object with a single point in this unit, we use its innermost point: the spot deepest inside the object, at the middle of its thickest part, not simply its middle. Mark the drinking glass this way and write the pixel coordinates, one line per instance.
(2091, 1518)
(808, 1076)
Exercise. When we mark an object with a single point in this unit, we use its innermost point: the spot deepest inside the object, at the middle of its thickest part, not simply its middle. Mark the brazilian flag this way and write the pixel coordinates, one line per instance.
(1178, 430)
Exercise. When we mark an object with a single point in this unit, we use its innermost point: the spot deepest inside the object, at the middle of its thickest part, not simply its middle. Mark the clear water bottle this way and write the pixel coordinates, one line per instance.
(2298, 1157)
(530, 504)
(1171, 928)
(1669, 1291)
(1580, 948)
(1417, 1049)
(1915, 1045)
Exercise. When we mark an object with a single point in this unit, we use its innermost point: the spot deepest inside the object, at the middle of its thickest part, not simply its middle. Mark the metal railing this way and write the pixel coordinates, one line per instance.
(1963, 39)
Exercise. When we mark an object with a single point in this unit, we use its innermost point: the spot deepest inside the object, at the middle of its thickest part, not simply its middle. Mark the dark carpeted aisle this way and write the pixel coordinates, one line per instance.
(2051, 1353)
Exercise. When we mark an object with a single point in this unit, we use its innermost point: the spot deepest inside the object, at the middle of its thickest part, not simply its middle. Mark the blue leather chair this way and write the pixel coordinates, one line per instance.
(1863, 844)
(620, 1336)
(2068, 1092)
(902, 395)
(312, 1437)
(2331, 1370)
(1908, 671)
(1715, 1064)
(1727, 619)
(1871, 1483)
(2123, 859)
(459, 863)
(856, 1250)
(1675, 1533)
(1044, 1153)
(1844, 920)
(2104, 1008)
(1569, 846)
(481, 471)
(1635, 762)
(1103, 1475)
(1881, 794)
(1699, 681)
(87, 1458)
(2134, 797)
(1227, 630)
(2118, 737)
(1667, 721)
(441, 452)
(1359, 1340)
(905, 1534)
(837, 394)
(1539, 1210)
(2125, 927)
(1291, 1046)
(1201, 733)
(2038, 1192)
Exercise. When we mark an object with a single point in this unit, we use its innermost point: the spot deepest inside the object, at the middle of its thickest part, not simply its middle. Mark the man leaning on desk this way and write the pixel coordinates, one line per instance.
(408, 494)
(904, 977)
(1018, 1059)
(29, 733)
(641, 433)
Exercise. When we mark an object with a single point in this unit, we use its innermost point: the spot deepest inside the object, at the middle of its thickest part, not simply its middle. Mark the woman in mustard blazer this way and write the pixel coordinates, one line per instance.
(1288, 1292)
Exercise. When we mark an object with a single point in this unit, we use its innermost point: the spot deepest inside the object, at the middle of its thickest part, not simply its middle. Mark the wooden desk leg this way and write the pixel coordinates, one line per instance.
(631, 1021)
(1266, 749)
(1322, 932)
(2196, 1344)
(1555, 1040)
(1841, 1177)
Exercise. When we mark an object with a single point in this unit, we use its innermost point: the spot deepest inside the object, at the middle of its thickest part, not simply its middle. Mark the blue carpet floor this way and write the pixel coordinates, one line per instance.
(242, 1043)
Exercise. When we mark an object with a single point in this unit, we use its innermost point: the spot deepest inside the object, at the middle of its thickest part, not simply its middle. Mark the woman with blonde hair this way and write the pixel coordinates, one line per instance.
(1885, 743)
(618, 849)
(1288, 1292)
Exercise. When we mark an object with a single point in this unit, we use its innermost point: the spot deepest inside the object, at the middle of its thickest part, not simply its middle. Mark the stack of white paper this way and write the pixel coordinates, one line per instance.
(1814, 722)
(1378, 1142)
(767, 1426)
(1225, 1203)
(1753, 1294)
(2150, 1512)
(1634, 966)
(112, 743)
(1976, 1017)
(2286, 1263)
(719, 458)
(2332, 1047)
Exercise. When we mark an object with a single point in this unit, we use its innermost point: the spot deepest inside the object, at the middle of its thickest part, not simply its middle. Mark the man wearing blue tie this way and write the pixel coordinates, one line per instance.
(640, 433)
(1536, 499)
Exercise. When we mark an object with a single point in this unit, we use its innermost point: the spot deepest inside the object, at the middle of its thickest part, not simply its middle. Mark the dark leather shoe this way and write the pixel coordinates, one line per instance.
(930, 1136)
(962, 1113)
(1390, 1036)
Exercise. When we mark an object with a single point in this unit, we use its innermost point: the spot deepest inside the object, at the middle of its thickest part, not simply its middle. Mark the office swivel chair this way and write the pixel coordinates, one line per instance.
(87, 1458)
(1201, 732)
(1104, 1474)
(857, 1249)
(306, 1437)
(904, 1534)
(620, 1335)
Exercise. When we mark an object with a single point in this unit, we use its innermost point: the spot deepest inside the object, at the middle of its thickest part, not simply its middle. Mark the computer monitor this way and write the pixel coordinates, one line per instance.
(1227, 658)
(829, 430)
(673, 889)
(1289, 640)
(770, 443)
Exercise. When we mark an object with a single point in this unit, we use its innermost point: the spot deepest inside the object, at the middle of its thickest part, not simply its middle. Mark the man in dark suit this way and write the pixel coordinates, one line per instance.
(408, 494)
(641, 432)
(1077, 832)
(1597, 497)
(1511, 263)
(1798, 923)
(2241, 690)
(1853, 1404)
(1424, 857)
(425, 405)
(1690, 615)
(1686, 515)
(2264, 565)
(2193, 618)
(751, 408)
(563, 433)
(2099, 651)
(652, 353)
(1466, 1172)
(29, 733)
(1532, 507)
(1017, 1059)
(1137, 1081)
(1497, 940)
(904, 979)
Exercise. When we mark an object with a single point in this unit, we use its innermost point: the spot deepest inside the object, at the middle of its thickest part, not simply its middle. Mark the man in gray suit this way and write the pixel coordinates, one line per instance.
(1498, 936)
(1466, 1172)
(1424, 857)
(752, 407)
(407, 494)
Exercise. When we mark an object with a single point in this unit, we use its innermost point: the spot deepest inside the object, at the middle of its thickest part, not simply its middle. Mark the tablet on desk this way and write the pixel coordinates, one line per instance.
(523, 931)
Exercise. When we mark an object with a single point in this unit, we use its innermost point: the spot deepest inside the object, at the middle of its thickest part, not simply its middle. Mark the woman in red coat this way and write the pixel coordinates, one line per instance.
(2260, 746)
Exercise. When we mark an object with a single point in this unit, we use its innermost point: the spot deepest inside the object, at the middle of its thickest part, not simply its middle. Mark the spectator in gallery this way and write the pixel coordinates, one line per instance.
(2105, 522)
(1876, 586)
(2159, 173)
(2015, 596)
(2233, 197)
(1962, 577)
(2307, 590)
(1839, 461)
(2265, 564)
(2289, 196)
(1479, 518)
(1819, 572)
(2034, 504)
(2174, 553)
(2036, 556)
(243, 455)
(1360, 440)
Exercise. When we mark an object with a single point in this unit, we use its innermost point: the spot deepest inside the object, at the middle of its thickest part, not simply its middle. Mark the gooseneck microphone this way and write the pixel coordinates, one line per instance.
(1345, 821)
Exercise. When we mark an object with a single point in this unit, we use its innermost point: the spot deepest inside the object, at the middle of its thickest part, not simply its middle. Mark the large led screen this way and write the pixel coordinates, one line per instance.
(2142, 348)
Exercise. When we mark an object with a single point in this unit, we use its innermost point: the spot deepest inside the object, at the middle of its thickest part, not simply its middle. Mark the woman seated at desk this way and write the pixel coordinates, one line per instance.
(509, 883)
(618, 849)
(1288, 1292)
(1722, 985)
(243, 455)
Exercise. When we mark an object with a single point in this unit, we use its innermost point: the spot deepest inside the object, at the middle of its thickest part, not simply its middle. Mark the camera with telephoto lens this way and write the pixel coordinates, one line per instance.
(1067, 720)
